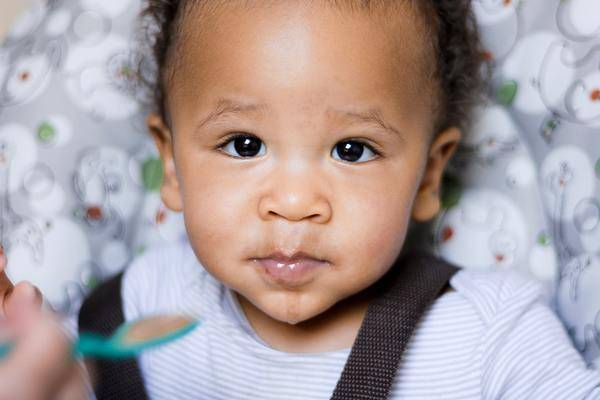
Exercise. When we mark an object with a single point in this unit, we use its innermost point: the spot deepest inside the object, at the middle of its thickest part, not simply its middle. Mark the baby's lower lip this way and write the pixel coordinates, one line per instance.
(293, 274)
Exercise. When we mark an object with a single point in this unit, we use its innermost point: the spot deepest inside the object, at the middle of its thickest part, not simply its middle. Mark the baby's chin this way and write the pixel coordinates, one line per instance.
(294, 308)
(294, 317)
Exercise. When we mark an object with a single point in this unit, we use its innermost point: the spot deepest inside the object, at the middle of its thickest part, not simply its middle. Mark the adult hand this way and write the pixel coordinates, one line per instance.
(40, 364)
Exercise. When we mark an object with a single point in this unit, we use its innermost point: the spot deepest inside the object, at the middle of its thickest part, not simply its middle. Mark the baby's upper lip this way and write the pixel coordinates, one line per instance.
(295, 257)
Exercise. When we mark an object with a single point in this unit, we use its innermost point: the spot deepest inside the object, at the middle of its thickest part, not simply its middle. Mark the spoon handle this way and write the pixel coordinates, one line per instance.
(87, 345)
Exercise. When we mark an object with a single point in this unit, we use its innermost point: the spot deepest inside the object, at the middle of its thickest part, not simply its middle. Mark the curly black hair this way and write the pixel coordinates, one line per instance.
(450, 24)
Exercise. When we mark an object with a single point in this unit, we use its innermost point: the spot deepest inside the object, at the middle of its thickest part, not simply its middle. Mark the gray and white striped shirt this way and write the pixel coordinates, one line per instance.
(492, 338)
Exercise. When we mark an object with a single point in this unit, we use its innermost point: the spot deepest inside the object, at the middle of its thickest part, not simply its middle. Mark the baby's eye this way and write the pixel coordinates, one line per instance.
(245, 145)
(353, 151)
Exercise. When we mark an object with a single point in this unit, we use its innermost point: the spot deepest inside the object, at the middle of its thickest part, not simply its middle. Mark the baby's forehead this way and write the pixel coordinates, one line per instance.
(417, 12)
(363, 6)
(405, 21)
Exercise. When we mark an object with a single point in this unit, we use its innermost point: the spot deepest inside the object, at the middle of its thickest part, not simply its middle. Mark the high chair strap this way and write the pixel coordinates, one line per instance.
(102, 313)
(388, 325)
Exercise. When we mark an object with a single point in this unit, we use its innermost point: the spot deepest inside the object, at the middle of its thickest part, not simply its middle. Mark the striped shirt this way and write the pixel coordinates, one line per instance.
(491, 338)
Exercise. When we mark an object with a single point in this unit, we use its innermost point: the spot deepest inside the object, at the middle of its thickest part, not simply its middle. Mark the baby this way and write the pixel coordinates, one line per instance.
(299, 139)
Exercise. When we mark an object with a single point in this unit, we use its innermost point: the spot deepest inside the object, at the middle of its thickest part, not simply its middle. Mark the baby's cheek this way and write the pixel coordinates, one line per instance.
(377, 236)
(207, 212)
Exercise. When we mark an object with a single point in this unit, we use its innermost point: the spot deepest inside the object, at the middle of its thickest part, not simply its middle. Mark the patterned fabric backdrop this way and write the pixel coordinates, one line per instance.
(79, 176)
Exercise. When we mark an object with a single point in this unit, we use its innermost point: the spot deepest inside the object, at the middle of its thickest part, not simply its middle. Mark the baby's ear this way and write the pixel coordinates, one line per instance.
(163, 138)
(427, 202)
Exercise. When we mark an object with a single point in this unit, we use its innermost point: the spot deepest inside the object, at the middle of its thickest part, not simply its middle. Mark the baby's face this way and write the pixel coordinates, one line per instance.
(333, 113)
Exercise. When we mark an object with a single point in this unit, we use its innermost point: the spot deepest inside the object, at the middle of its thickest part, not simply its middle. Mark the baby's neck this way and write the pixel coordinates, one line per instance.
(334, 329)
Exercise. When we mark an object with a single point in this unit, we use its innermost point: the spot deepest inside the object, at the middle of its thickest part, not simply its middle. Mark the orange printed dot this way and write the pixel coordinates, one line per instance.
(595, 95)
(487, 55)
(507, 2)
(94, 213)
(161, 215)
(447, 233)
(24, 76)
(499, 257)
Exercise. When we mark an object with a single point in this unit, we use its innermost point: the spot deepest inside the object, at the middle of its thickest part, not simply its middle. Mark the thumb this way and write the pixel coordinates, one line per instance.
(39, 363)
(23, 300)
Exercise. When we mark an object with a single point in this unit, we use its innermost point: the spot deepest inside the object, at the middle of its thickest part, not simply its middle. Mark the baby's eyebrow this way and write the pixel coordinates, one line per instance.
(227, 106)
(371, 116)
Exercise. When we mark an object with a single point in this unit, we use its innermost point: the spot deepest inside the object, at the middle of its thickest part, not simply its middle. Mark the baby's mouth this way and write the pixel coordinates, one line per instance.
(290, 272)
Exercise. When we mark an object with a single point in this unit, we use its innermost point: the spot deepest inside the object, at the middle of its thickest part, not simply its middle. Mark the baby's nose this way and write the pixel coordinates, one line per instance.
(296, 197)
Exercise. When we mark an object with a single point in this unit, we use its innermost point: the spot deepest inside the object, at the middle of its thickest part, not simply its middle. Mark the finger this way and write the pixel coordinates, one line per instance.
(24, 300)
(39, 362)
(7, 333)
(75, 386)
(5, 283)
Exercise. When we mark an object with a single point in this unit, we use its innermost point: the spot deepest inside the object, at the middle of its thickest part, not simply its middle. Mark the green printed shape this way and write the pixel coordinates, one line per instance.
(543, 239)
(451, 191)
(92, 282)
(46, 132)
(598, 169)
(507, 92)
(552, 125)
(152, 174)
(127, 71)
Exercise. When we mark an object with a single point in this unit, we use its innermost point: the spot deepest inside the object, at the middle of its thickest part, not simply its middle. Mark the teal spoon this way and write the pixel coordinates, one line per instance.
(130, 339)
